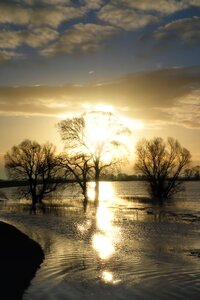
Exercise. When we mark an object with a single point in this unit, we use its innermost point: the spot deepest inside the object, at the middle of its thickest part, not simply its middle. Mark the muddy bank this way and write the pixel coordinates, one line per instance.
(20, 257)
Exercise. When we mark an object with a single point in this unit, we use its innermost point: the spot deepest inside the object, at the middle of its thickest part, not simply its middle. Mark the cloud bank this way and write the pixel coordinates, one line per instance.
(185, 30)
(63, 26)
(168, 96)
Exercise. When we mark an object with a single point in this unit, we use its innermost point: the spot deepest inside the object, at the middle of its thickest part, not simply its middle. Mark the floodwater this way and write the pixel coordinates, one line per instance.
(128, 248)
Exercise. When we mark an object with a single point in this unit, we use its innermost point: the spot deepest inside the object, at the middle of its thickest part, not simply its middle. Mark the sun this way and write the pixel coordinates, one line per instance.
(106, 132)
(99, 127)
(105, 129)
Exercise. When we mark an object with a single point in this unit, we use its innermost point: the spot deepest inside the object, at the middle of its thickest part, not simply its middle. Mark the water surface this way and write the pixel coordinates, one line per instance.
(126, 249)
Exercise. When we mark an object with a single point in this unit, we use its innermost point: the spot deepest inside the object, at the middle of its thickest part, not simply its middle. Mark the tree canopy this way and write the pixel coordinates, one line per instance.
(162, 163)
(97, 136)
(35, 164)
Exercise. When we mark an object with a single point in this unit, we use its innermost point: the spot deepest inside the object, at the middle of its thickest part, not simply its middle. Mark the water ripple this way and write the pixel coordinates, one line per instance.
(152, 257)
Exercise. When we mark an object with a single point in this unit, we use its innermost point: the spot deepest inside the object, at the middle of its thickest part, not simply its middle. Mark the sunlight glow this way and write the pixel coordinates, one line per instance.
(104, 108)
(65, 116)
(107, 236)
(106, 191)
(133, 124)
(98, 107)
(105, 135)
(82, 228)
(103, 245)
(99, 127)
(104, 218)
(108, 277)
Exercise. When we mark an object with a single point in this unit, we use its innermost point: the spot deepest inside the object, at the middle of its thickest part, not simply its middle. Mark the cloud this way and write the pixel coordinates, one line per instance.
(48, 2)
(59, 26)
(168, 96)
(36, 100)
(8, 55)
(36, 38)
(32, 25)
(93, 4)
(131, 15)
(158, 6)
(186, 110)
(186, 30)
(9, 39)
(39, 37)
(193, 3)
(81, 38)
(38, 16)
(178, 35)
(125, 18)
(13, 14)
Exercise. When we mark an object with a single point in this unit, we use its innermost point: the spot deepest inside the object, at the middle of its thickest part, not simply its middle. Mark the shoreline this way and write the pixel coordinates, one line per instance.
(20, 258)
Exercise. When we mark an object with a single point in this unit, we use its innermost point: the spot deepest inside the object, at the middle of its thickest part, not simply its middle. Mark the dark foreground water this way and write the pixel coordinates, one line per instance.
(126, 249)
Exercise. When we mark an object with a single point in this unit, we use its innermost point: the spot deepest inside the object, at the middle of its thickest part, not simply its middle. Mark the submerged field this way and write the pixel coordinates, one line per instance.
(128, 248)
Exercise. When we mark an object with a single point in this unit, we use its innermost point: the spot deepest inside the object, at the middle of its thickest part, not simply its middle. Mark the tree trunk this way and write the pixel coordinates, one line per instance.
(96, 199)
(33, 206)
(85, 200)
(85, 203)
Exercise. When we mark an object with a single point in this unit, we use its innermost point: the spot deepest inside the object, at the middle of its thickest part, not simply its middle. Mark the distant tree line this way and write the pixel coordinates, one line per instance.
(192, 173)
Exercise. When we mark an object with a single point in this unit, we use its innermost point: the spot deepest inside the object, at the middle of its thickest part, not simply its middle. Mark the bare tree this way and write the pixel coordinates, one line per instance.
(35, 164)
(96, 135)
(77, 167)
(162, 163)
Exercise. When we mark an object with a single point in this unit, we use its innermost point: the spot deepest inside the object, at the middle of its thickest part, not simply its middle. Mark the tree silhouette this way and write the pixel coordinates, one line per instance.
(192, 173)
(95, 135)
(77, 167)
(162, 163)
(196, 172)
(35, 164)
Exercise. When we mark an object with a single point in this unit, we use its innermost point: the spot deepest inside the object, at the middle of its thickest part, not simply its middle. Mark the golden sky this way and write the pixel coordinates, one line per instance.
(138, 59)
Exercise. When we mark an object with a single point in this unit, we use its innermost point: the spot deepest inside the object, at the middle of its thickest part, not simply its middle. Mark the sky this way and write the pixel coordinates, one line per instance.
(137, 58)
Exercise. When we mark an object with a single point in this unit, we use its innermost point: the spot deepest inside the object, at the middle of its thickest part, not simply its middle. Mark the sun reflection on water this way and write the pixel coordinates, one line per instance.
(103, 245)
(84, 227)
(108, 277)
(106, 237)
(104, 218)
(106, 191)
